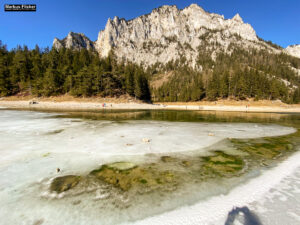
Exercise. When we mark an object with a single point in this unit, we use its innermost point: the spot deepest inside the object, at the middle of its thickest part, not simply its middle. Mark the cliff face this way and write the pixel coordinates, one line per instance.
(75, 41)
(168, 34)
(293, 50)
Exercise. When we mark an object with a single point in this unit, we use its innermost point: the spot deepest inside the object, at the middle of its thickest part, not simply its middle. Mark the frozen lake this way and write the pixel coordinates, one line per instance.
(212, 164)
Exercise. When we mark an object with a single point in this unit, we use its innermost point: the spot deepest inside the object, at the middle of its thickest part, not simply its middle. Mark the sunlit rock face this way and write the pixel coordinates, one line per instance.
(166, 33)
(293, 50)
(74, 41)
(169, 34)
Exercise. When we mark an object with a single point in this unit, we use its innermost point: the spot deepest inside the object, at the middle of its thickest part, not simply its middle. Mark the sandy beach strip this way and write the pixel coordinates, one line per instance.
(77, 105)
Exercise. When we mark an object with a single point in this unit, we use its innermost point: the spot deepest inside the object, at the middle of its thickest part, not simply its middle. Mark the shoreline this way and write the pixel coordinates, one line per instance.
(196, 106)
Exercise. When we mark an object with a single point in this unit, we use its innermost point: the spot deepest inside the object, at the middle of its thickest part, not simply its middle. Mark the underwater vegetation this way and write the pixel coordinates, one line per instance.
(169, 172)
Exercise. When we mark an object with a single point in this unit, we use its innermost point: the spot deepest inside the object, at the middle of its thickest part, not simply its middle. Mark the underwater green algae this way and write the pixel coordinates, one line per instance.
(180, 174)
(267, 150)
(222, 164)
(173, 170)
(126, 176)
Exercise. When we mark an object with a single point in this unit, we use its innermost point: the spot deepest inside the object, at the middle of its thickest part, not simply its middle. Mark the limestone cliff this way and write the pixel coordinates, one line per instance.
(168, 34)
(293, 50)
(75, 41)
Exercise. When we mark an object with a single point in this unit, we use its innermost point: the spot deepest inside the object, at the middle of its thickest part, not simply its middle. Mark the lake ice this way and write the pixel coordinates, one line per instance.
(34, 144)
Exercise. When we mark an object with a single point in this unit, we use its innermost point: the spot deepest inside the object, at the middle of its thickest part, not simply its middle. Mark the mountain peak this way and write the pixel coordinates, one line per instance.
(194, 6)
(162, 25)
(238, 18)
(57, 44)
(164, 8)
(293, 50)
(116, 20)
(163, 35)
(75, 41)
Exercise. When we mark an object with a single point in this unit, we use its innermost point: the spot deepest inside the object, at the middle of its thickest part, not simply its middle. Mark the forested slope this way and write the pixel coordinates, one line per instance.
(238, 74)
(57, 72)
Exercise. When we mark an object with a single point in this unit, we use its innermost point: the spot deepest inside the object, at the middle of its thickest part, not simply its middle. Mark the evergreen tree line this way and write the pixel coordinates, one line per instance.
(239, 75)
(78, 73)
(242, 74)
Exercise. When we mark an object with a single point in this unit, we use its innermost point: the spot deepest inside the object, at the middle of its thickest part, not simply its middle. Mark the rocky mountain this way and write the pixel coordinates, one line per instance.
(293, 50)
(169, 34)
(75, 41)
(177, 55)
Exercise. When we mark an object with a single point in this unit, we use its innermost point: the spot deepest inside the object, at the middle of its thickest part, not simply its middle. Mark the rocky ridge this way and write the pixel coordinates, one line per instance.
(168, 34)
(75, 41)
(293, 50)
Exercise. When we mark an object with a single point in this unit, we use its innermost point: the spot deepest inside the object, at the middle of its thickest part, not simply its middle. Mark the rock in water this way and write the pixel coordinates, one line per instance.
(146, 140)
(61, 184)
(167, 159)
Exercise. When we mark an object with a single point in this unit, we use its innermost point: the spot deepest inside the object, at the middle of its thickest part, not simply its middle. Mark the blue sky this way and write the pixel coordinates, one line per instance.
(276, 20)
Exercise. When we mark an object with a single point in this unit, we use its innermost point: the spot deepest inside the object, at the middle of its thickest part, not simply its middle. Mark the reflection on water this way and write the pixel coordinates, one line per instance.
(180, 116)
(184, 116)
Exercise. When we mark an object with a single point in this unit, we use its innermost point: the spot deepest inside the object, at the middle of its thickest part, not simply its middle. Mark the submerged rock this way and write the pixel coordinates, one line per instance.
(146, 140)
(167, 159)
(46, 154)
(77, 202)
(38, 222)
(62, 184)
(55, 132)
(186, 163)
